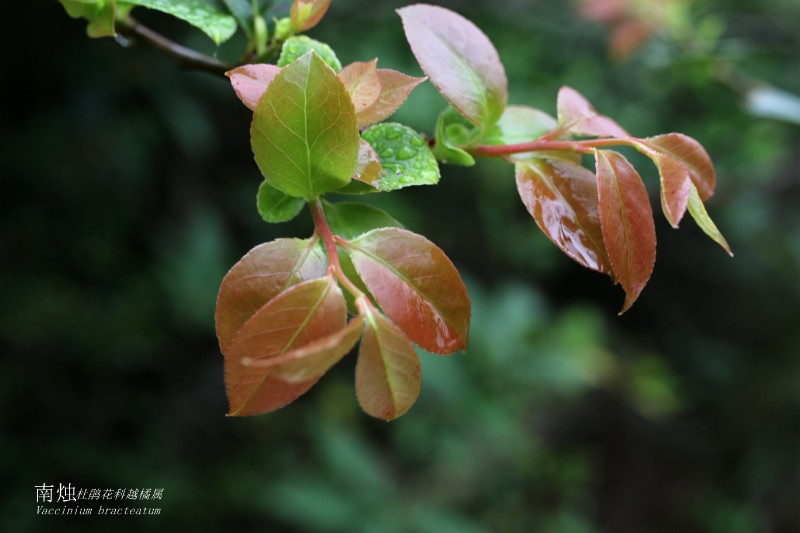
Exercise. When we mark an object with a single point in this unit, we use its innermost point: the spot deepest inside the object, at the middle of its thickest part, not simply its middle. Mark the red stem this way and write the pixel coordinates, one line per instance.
(539, 145)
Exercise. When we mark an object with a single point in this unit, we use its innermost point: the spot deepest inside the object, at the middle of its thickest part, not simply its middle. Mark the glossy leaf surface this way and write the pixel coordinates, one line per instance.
(204, 15)
(562, 199)
(262, 274)
(448, 134)
(692, 154)
(305, 14)
(416, 285)
(295, 318)
(275, 206)
(520, 124)
(675, 185)
(580, 117)
(406, 159)
(388, 373)
(627, 223)
(313, 360)
(250, 82)
(395, 88)
(297, 46)
(698, 212)
(351, 219)
(459, 59)
(362, 83)
(304, 133)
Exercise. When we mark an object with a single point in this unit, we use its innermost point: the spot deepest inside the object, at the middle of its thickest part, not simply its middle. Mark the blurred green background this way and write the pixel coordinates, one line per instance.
(128, 190)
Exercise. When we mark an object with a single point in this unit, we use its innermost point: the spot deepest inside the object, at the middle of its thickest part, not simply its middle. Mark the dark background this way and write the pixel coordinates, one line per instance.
(128, 190)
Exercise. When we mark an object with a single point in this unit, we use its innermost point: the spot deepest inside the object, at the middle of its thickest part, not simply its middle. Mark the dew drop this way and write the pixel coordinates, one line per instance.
(406, 180)
(406, 152)
(417, 141)
(386, 153)
(394, 133)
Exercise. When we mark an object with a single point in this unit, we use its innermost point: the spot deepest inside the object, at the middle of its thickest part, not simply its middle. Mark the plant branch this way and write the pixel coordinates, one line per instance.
(539, 145)
(184, 57)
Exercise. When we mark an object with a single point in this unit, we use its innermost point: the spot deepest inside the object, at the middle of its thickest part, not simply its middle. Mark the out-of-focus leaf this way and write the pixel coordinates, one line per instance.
(306, 14)
(313, 360)
(416, 285)
(250, 82)
(362, 83)
(395, 88)
(460, 61)
(580, 118)
(453, 130)
(700, 215)
(304, 133)
(297, 317)
(297, 46)
(206, 15)
(770, 102)
(406, 159)
(351, 219)
(259, 276)
(689, 152)
(99, 13)
(562, 199)
(521, 124)
(388, 373)
(675, 184)
(627, 223)
(275, 206)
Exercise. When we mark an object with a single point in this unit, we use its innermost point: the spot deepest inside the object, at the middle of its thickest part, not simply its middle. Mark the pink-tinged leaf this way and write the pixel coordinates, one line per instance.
(416, 285)
(395, 88)
(675, 185)
(294, 319)
(459, 59)
(251, 81)
(362, 83)
(388, 373)
(580, 118)
(562, 199)
(306, 14)
(627, 223)
(313, 360)
(262, 274)
(628, 37)
(692, 154)
(368, 168)
(700, 215)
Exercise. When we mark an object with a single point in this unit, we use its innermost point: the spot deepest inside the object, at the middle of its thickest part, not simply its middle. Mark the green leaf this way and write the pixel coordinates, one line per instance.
(99, 13)
(304, 133)
(305, 14)
(275, 206)
(627, 223)
(296, 318)
(394, 89)
(689, 152)
(206, 15)
(700, 215)
(242, 10)
(297, 46)
(405, 156)
(250, 82)
(351, 219)
(579, 117)
(451, 130)
(313, 360)
(460, 61)
(266, 271)
(562, 199)
(388, 373)
(519, 124)
(416, 285)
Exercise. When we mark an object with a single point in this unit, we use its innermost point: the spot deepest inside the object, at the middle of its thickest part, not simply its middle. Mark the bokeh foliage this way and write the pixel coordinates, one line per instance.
(129, 188)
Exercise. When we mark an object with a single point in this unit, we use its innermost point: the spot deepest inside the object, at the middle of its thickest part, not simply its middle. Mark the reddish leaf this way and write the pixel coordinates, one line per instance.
(627, 223)
(416, 285)
(306, 14)
(575, 112)
(313, 360)
(628, 37)
(562, 199)
(395, 88)
(266, 271)
(388, 374)
(675, 185)
(459, 59)
(368, 168)
(692, 154)
(295, 318)
(251, 81)
(362, 83)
